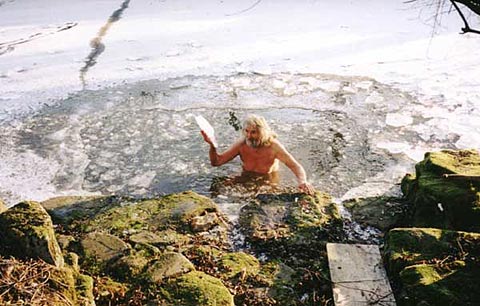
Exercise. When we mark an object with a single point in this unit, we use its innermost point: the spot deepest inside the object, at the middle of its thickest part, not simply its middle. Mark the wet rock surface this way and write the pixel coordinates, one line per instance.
(177, 249)
(431, 261)
(154, 251)
(444, 191)
(382, 213)
(434, 266)
(26, 231)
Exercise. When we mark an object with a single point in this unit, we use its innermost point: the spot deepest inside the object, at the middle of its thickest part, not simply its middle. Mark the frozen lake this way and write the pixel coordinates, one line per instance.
(99, 96)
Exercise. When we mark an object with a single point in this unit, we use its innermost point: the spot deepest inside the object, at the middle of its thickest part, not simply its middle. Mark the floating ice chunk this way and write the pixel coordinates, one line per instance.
(240, 82)
(173, 52)
(416, 154)
(374, 98)
(469, 141)
(135, 58)
(143, 180)
(394, 147)
(380, 184)
(329, 86)
(277, 84)
(290, 90)
(364, 85)
(58, 135)
(397, 120)
(179, 167)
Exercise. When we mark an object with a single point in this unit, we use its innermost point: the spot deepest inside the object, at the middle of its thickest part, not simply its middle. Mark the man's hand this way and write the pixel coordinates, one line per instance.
(206, 138)
(307, 188)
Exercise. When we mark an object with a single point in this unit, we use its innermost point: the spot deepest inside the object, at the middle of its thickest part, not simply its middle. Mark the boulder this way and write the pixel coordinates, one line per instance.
(76, 287)
(434, 266)
(130, 266)
(197, 288)
(160, 239)
(171, 212)
(101, 248)
(26, 231)
(239, 265)
(169, 264)
(383, 213)
(445, 189)
(65, 209)
(290, 222)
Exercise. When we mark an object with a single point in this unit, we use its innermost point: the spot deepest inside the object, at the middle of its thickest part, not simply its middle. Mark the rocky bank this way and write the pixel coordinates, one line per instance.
(178, 249)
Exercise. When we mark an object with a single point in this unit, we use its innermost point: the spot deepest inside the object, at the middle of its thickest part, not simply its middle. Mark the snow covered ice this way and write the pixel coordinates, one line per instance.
(371, 82)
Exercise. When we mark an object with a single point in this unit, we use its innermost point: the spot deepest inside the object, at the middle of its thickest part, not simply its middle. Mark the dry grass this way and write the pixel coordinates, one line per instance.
(28, 283)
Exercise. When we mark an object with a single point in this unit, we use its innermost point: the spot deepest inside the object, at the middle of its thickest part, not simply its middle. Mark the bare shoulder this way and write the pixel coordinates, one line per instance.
(277, 145)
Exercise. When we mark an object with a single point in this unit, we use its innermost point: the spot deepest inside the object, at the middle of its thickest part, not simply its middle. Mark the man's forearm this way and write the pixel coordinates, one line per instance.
(212, 153)
(300, 174)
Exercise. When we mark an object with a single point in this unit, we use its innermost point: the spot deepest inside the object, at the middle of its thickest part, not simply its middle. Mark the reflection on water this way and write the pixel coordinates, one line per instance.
(96, 43)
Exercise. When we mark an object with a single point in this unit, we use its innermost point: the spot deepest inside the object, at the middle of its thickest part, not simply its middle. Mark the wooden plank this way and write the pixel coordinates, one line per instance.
(358, 275)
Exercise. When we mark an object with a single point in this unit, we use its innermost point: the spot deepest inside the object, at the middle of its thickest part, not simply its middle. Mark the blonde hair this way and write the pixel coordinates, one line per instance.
(264, 130)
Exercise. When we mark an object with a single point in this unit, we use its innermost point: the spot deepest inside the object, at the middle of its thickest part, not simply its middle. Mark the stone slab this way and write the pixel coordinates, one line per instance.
(358, 275)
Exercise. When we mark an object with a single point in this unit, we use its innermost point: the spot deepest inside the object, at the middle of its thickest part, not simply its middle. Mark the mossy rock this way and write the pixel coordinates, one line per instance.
(161, 239)
(175, 211)
(71, 259)
(99, 249)
(66, 209)
(290, 222)
(197, 288)
(111, 292)
(128, 267)
(169, 264)
(383, 213)
(434, 266)
(76, 287)
(409, 246)
(440, 284)
(445, 190)
(239, 265)
(26, 231)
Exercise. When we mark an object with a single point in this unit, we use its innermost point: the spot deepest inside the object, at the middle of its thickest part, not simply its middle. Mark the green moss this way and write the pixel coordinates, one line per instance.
(129, 267)
(197, 288)
(466, 162)
(457, 195)
(239, 264)
(406, 246)
(110, 292)
(453, 284)
(26, 231)
(422, 274)
(64, 282)
(169, 212)
(84, 289)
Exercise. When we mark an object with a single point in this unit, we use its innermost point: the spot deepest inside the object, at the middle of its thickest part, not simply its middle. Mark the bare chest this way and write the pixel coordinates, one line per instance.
(261, 160)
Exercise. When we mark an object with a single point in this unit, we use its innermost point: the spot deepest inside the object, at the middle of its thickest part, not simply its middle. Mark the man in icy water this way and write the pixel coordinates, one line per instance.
(260, 153)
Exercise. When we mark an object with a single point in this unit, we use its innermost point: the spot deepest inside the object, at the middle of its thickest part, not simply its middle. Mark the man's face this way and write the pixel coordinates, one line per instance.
(252, 136)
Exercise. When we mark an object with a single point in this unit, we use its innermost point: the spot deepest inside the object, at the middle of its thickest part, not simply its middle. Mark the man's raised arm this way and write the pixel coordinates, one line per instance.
(220, 159)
